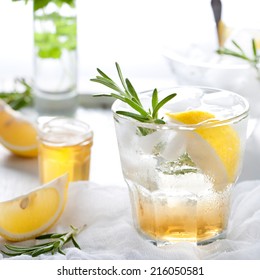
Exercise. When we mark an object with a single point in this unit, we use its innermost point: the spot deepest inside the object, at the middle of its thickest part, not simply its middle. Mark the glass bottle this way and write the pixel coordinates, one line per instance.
(55, 57)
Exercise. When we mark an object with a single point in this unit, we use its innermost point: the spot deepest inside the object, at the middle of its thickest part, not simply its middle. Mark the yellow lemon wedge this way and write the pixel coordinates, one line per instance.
(224, 33)
(17, 134)
(29, 215)
(214, 149)
(257, 43)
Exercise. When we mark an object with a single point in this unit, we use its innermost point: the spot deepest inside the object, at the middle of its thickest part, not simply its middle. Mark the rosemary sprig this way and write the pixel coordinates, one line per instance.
(55, 243)
(17, 99)
(127, 94)
(240, 53)
(182, 165)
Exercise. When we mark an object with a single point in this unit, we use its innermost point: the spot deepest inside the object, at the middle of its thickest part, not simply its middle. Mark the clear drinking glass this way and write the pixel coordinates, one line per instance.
(64, 146)
(180, 174)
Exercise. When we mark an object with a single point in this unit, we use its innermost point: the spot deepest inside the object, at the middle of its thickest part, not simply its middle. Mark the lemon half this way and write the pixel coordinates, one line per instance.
(29, 215)
(215, 150)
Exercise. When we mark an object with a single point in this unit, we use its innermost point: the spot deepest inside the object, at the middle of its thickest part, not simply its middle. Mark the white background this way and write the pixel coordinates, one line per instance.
(131, 32)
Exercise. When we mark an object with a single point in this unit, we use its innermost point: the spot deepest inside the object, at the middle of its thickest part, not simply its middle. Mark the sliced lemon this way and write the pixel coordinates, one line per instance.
(29, 215)
(215, 150)
(224, 33)
(17, 134)
(257, 43)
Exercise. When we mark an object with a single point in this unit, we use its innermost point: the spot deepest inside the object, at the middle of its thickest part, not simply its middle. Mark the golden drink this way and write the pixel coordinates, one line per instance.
(64, 146)
(173, 218)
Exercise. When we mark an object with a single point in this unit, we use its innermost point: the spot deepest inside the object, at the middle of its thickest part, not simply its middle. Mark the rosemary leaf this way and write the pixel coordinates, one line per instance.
(137, 107)
(49, 235)
(75, 242)
(60, 251)
(143, 131)
(108, 84)
(254, 48)
(103, 74)
(236, 44)
(154, 98)
(133, 115)
(25, 249)
(10, 254)
(132, 91)
(118, 96)
(42, 250)
(121, 77)
(162, 103)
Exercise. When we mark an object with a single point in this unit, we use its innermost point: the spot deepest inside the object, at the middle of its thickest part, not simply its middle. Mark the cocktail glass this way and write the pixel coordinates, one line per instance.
(180, 174)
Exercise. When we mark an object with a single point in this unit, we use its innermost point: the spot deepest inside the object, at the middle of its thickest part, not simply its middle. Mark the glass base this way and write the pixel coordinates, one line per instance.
(162, 243)
(56, 104)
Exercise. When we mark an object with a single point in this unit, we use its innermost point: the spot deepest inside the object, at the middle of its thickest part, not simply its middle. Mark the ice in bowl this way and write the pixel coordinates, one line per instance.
(194, 64)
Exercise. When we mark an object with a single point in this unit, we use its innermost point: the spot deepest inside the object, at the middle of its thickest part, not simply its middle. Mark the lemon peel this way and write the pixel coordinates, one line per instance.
(214, 149)
(31, 214)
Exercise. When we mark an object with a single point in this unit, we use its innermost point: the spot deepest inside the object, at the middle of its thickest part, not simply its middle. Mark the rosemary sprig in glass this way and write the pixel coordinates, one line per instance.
(55, 243)
(18, 99)
(127, 94)
(240, 53)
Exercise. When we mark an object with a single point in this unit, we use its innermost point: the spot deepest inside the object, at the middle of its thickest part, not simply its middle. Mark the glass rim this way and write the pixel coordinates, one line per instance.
(85, 134)
(179, 126)
(176, 57)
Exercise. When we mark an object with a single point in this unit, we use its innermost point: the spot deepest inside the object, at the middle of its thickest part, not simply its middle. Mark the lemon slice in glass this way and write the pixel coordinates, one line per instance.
(214, 149)
(31, 214)
(17, 134)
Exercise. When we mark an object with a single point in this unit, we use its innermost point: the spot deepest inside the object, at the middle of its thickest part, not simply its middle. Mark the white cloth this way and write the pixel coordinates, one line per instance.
(110, 233)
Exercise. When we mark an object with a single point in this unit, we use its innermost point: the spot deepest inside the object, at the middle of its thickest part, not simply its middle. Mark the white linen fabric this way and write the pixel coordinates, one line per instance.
(110, 233)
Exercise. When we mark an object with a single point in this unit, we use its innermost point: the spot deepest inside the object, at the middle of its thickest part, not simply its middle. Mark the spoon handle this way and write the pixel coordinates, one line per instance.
(216, 6)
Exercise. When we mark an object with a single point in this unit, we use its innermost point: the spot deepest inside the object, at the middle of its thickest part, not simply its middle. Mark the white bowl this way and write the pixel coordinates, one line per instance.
(199, 68)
